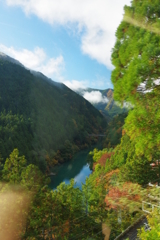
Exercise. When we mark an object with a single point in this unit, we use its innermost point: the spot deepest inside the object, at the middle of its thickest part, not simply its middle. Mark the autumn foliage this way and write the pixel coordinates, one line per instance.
(117, 194)
(103, 159)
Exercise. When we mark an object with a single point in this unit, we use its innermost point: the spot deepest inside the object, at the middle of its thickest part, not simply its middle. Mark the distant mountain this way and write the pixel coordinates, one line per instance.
(104, 102)
(45, 120)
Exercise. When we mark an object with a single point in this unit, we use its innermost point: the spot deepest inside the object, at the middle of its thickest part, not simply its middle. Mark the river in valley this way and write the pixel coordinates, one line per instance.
(78, 169)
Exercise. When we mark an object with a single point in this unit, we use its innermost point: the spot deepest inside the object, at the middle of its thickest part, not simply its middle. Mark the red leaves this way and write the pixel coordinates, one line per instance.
(115, 195)
(103, 159)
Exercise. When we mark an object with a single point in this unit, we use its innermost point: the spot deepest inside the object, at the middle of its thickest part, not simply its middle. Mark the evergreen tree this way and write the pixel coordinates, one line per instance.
(32, 178)
(136, 74)
(13, 167)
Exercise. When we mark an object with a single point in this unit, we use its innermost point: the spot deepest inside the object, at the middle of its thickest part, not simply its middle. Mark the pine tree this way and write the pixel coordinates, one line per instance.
(136, 57)
(13, 167)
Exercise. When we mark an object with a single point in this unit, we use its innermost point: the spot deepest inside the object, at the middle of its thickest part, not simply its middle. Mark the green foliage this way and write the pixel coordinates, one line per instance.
(15, 132)
(142, 125)
(120, 154)
(136, 52)
(114, 130)
(32, 178)
(137, 169)
(154, 224)
(39, 218)
(136, 60)
(132, 167)
(97, 167)
(13, 167)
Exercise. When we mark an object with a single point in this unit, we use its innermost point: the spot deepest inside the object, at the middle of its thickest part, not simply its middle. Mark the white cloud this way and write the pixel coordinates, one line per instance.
(95, 97)
(97, 20)
(80, 86)
(37, 60)
(53, 67)
(76, 85)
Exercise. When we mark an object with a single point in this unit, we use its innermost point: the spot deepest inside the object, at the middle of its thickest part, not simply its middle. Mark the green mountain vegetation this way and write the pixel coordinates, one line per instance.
(45, 120)
(111, 198)
(114, 130)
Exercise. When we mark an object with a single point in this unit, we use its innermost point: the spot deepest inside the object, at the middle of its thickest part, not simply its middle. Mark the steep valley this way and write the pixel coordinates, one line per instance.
(45, 120)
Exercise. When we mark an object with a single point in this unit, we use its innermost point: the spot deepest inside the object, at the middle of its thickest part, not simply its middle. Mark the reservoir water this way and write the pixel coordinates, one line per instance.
(78, 168)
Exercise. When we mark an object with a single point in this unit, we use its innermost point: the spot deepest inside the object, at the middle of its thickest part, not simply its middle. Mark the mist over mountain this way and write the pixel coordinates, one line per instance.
(5, 57)
(42, 118)
(103, 101)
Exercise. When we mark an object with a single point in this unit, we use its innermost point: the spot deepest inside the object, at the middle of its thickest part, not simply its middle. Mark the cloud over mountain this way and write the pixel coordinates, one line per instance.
(37, 60)
(95, 97)
(75, 85)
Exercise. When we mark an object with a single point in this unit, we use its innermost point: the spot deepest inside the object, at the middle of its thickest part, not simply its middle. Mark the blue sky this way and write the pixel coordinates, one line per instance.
(68, 40)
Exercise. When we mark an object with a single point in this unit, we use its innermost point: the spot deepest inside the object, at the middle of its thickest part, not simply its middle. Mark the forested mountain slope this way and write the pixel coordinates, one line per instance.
(39, 116)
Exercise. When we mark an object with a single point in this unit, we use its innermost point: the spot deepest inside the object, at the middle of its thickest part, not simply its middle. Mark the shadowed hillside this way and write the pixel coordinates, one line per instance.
(40, 116)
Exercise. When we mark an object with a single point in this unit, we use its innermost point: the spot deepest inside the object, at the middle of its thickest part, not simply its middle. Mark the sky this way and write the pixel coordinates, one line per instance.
(69, 41)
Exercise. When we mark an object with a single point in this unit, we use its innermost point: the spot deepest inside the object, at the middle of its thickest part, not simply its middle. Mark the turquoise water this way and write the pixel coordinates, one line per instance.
(78, 168)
